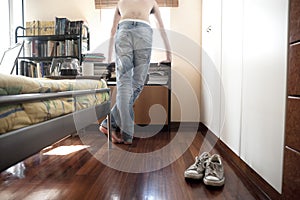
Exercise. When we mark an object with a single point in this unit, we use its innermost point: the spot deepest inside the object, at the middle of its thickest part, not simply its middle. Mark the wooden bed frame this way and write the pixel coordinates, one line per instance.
(20, 144)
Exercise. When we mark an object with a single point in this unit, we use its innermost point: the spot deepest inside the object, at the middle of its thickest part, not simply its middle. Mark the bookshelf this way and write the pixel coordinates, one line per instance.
(42, 42)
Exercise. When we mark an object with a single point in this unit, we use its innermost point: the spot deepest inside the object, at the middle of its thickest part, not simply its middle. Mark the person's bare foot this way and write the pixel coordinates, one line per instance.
(127, 142)
(103, 129)
(114, 135)
(115, 138)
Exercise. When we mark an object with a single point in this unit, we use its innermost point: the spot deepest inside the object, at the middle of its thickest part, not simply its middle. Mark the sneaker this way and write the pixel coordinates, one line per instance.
(196, 170)
(214, 171)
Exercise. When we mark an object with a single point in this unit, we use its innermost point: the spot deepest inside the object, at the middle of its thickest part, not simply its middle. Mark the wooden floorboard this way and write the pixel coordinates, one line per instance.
(80, 175)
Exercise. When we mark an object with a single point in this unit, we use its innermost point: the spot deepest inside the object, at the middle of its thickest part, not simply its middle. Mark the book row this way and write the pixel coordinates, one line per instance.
(35, 70)
(61, 26)
(37, 48)
(40, 28)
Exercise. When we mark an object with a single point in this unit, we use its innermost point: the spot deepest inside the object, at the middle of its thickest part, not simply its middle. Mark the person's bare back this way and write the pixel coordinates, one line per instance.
(136, 9)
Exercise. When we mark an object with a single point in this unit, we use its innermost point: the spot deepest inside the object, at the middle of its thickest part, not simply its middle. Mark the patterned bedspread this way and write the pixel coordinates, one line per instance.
(17, 116)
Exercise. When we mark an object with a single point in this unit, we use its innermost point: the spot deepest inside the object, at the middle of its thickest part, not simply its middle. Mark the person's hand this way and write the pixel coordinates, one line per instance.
(167, 61)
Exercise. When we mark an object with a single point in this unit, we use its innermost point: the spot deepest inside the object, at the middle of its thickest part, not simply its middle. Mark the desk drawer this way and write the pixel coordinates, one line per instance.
(294, 21)
(291, 183)
(293, 123)
(156, 96)
(294, 70)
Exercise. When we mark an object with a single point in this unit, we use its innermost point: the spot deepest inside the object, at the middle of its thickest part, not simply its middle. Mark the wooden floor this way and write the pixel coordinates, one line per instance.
(82, 174)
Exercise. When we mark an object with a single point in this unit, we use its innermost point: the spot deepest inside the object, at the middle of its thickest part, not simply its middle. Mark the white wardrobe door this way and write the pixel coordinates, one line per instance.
(211, 64)
(264, 87)
(231, 70)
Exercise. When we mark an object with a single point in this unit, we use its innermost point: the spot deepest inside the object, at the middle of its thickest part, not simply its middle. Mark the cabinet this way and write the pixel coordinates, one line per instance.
(291, 174)
(39, 50)
(294, 20)
(153, 105)
(247, 105)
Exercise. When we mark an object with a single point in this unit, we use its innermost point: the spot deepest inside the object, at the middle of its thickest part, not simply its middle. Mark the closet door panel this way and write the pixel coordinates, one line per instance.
(211, 65)
(231, 72)
(264, 87)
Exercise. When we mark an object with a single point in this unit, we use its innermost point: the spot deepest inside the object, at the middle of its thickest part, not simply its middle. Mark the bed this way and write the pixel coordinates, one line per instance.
(35, 113)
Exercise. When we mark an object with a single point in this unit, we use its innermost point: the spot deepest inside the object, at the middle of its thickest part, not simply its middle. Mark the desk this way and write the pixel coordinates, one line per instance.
(157, 90)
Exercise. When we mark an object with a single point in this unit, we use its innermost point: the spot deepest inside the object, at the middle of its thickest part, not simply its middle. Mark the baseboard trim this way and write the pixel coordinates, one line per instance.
(262, 189)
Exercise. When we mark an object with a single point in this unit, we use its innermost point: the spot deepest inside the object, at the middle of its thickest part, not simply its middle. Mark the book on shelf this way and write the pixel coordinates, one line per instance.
(59, 26)
(74, 28)
(46, 28)
(34, 48)
(50, 48)
(34, 69)
(31, 28)
(64, 26)
(36, 27)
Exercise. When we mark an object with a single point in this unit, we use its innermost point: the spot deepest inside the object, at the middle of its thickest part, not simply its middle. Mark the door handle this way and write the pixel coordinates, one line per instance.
(208, 29)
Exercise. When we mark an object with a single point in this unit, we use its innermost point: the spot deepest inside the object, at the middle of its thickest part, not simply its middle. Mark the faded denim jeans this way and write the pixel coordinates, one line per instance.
(133, 45)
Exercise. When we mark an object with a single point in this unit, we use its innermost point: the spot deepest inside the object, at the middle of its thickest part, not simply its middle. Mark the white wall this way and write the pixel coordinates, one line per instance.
(253, 73)
(175, 19)
(74, 10)
(185, 23)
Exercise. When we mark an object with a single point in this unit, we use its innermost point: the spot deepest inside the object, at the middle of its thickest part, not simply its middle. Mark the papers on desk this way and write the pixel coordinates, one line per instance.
(157, 75)
(158, 78)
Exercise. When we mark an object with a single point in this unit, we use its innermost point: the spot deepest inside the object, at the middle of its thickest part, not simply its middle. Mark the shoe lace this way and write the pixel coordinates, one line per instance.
(197, 162)
(200, 161)
(211, 168)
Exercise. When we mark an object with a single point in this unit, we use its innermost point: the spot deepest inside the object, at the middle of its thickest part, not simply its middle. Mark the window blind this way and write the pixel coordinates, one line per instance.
(100, 4)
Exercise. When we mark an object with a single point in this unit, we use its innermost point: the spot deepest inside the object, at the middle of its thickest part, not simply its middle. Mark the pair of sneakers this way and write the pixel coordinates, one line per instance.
(208, 167)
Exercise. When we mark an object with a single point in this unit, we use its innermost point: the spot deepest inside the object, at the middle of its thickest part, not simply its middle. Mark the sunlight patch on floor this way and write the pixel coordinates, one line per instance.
(65, 150)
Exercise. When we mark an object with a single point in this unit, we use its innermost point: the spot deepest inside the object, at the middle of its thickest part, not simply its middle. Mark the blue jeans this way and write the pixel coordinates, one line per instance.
(133, 45)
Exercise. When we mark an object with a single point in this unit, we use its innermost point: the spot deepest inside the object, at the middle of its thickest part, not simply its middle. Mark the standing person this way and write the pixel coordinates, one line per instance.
(131, 35)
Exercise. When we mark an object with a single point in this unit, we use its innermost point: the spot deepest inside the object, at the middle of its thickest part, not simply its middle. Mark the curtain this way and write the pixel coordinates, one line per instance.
(99, 4)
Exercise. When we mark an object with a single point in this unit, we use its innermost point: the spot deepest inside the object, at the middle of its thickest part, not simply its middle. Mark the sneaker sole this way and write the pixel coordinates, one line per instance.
(214, 183)
(189, 176)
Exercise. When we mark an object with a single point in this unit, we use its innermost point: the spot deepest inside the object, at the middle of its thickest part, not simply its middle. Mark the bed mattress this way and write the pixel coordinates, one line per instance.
(16, 116)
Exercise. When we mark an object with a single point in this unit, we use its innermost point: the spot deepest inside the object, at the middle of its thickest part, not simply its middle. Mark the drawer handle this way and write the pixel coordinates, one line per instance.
(294, 97)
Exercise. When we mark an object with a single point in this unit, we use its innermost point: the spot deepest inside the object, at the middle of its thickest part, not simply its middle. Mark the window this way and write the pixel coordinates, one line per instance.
(112, 3)
(4, 24)
(11, 17)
